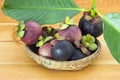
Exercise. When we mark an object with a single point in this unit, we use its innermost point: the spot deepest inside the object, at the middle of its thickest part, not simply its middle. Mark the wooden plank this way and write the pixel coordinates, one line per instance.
(15, 54)
(40, 73)
(7, 33)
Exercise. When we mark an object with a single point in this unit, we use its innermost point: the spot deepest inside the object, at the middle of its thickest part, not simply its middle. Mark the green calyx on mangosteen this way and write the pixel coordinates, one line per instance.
(88, 42)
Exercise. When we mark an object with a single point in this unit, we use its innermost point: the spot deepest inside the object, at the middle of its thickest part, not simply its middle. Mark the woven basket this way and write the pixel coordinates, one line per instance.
(65, 65)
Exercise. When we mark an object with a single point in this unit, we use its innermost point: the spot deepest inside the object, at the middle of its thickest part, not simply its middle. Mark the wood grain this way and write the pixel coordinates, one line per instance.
(15, 64)
(41, 73)
(6, 33)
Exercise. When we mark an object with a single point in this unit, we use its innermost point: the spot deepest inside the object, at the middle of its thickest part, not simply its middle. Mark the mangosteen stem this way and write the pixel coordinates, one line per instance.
(94, 8)
(93, 4)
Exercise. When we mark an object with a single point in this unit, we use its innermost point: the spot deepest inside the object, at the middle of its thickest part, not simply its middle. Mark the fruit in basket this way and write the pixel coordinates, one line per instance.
(32, 31)
(45, 50)
(62, 44)
(91, 25)
(72, 34)
(62, 51)
(77, 55)
(45, 44)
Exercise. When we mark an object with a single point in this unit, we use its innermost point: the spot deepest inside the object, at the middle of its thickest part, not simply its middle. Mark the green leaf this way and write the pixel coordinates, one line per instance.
(42, 11)
(112, 33)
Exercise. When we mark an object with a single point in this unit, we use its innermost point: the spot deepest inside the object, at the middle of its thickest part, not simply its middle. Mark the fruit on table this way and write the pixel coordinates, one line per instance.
(45, 50)
(32, 31)
(62, 51)
(91, 25)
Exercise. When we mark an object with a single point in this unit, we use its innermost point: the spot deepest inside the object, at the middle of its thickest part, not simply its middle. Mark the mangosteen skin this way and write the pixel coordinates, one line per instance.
(77, 55)
(62, 51)
(89, 27)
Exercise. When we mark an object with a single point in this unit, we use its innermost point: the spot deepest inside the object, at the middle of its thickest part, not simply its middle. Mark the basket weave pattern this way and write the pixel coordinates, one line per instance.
(65, 65)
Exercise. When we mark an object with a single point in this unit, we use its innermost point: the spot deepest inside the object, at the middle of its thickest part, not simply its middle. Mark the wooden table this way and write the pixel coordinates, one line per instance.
(15, 64)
